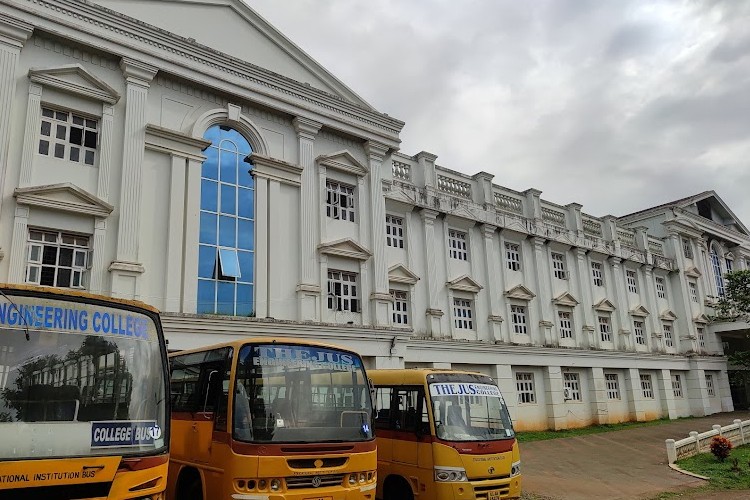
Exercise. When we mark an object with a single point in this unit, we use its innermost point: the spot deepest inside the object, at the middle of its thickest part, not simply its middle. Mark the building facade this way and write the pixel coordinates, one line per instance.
(223, 176)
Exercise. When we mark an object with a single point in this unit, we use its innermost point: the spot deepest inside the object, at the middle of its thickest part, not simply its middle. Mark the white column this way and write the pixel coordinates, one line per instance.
(275, 262)
(126, 268)
(31, 134)
(584, 316)
(98, 255)
(697, 392)
(434, 312)
(262, 277)
(544, 295)
(723, 390)
(634, 394)
(598, 395)
(192, 236)
(557, 412)
(620, 316)
(652, 303)
(105, 151)
(666, 393)
(494, 288)
(380, 297)
(17, 267)
(175, 234)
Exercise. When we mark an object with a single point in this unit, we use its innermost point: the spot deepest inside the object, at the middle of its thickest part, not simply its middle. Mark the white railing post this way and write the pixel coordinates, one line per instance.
(717, 428)
(671, 451)
(694, 435)
(742, 432)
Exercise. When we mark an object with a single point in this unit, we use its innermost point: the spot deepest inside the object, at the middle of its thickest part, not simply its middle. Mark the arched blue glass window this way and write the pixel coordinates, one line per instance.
(226, 253)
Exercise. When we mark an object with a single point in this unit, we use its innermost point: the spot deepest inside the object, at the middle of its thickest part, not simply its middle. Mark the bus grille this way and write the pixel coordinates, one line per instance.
(309, 463)
(481, 492)
(296, 483)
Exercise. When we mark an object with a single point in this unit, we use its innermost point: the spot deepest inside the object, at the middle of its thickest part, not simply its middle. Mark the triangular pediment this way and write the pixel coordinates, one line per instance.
(565, 299)
(701, 318)
(520, 292)
(343, 161)
(709, 205)
(74, 79)
(464, 284)
(234, 28)
(65, 197)
(668, 316)
(604, 305)
(639, 311)
(693, 272)
(345, 248)
(401, 274)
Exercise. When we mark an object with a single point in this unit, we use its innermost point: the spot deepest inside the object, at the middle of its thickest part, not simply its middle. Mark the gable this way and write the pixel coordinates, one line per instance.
(668, 316)
(464, 284)
(345, 248)
(400, 274)
(232, 27)
(639, 311)
(693, 272)
(520, 292)
(604, 305)
(343, 161)
(65, 197)
(708, 205)
(74, 79)
(565, 299)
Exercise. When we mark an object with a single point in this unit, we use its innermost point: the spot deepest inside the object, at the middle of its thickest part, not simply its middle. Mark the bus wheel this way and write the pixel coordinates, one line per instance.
(397, 488)
(189, 486)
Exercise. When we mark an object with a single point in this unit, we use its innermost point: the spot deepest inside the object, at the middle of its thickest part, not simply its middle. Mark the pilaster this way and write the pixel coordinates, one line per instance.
(434, 312)
(98, 255)
(620, 299)
(557, 411)
(666, 394)
(484, 195)
(426, 163)
(634, 395)
(533, 205)
(653, 305)
(262, 227)
(697, 392)
(380, 298)
(494, 286)
(575, 219)
(31, 134)
(583, 316)
(541, 270)
(105, 151)
(724, 391)
(598, 396)
(192, 235)
(175, 233)
(17, 266)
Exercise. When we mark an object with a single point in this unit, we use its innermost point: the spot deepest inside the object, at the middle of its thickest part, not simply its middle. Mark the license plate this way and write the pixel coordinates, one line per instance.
(493, 495)
(323, 498)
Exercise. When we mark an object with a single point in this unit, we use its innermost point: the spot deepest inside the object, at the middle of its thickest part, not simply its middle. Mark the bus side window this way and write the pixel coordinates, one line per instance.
(222, 393)
(406, 417)
(383, 397)
(424, 425)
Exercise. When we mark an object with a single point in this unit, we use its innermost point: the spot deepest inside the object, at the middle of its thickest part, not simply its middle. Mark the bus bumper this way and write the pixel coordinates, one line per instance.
(480, 490)
(366, 492)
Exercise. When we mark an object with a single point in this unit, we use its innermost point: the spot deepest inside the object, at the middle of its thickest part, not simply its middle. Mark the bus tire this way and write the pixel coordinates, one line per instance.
(396, 488)
(189, 486)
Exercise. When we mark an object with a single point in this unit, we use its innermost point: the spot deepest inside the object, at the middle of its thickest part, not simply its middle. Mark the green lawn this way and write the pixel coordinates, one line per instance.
(525, 437)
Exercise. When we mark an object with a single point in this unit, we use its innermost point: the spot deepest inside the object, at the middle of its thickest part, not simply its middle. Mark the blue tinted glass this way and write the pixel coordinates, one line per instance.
(245, 179)
(228, 166)
(242, 145)
(206, 296)
(210, 168)
(246, 266)
(244, 300)
(225, 298)
(228, 199)
(213, 134)
(230, 266)
(209, 193)
(245, 234)
(246, 202)
(208, 228)
(227, 230)
(206, 262)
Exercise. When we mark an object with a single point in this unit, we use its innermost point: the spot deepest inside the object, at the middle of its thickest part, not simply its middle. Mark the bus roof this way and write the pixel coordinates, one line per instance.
(415, 376)
(260, 340)
(69, 292)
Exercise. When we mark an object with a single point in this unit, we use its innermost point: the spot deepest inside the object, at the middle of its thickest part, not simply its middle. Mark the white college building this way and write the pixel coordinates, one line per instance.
(187, 154)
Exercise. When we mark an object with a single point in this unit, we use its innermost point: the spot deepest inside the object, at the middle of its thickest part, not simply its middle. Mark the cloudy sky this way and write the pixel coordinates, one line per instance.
(615, 105)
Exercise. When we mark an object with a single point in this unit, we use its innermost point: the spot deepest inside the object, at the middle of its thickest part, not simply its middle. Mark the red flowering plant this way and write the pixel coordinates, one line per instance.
(720, 447)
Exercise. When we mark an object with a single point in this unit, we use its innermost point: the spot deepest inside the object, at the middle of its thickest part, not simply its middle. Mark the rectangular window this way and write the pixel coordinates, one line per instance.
(566, 326)
(573, 386)
(68, 136)
(57, 259)
(702, 338)
(730, 264)
(518, 316)
(605, 331)
(400, 306)
(640, 339)
(687, 249)
(716, 265)
(661, 292)
(668, 340)
(463, 314)
(647, 387)
(229, 264)
(342, 291)
(513, 256)
(596, 273)
(457, 248)
(613, 386)
(339, 201)
(525, 388)
(710, 385)
(558, 264)
(394, 231)
(693, 291)
(632, 284)
(676, 386)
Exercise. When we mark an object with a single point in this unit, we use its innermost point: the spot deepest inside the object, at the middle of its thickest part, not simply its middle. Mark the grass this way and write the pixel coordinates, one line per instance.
(525, 437)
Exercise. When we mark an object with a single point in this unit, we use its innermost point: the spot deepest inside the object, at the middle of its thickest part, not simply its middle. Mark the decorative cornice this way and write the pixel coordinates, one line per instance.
(495, 319)
(173, 142)
(271, 168)
(693, 272)
(565, 299)
(434, 312)
(308, 288)
(43, 196)
(96, 89)
(401, 274)
(14, 32)
(604, 305)
(343, 161)
(668, 316)
(376, 151)
(520, 292)
(639, 311)
(464, 284)
(345, 248)
(701, 318)
(128, 267)
(306, 128)
(138, 72)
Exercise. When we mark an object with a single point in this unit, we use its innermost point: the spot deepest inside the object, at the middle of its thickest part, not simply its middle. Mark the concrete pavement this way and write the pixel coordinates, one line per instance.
(618, 465)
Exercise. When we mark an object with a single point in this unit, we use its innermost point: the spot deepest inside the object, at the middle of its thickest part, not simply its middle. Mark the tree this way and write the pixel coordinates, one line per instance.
(735, 306)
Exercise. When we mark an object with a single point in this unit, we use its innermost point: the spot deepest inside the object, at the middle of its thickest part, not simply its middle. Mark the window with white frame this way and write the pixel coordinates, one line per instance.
(710, 384)
(676, 385)
(730, 264)
(632, 283)
(661, 291)
(647, 387)
(513, 256)
(566, 324)
(518, 318)
(457, 246)
(573, 384)
(596, 274)
(400, 307)
(668, 339)
(687, 249)
(342, 291)
(339, 201)
(693, 291)
(68, 136)
(463, 314)
(718, 276)
(640, 338)
(558, 264)
(394, 231)
(57, 259)
(605, 329)
(525, 388)
(613, 385)
(702, 337)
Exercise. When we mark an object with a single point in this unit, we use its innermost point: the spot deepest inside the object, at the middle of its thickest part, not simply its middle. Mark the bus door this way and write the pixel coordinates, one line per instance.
(407, 422)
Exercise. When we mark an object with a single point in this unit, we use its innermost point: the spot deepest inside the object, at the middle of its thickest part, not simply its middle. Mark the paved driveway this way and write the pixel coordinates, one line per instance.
(626, 464)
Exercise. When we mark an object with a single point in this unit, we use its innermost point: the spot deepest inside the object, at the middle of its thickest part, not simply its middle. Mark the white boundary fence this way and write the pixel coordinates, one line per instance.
(738, 433)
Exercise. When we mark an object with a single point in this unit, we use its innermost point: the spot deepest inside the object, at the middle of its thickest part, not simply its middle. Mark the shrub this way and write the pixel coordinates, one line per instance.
(720, 447)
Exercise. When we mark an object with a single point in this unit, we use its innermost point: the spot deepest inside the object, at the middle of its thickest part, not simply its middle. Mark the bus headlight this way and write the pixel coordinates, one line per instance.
(275, 485)
(450, 474)
(262, 484)
(362, 477)
(352, 479)
(515, 469)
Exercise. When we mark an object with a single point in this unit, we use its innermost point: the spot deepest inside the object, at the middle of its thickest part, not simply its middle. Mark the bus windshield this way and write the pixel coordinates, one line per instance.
(300, 394)
(470, 411)
(78, 379)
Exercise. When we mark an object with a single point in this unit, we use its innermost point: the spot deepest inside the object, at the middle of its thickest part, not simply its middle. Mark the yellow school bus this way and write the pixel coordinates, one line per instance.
(83, 397)
(271, 419)
(443, 435)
